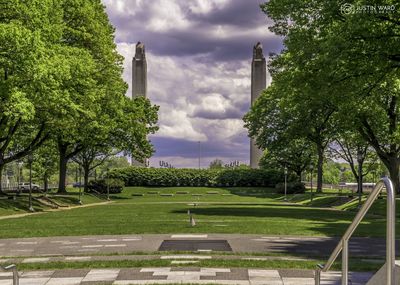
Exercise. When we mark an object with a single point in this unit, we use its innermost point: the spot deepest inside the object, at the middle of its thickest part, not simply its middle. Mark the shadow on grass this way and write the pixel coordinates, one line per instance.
(323, 247)
(369, 238)
(325, 221)
(270, 210)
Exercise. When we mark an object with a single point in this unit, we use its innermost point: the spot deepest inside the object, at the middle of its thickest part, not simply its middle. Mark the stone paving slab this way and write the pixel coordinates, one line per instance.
(167, 275)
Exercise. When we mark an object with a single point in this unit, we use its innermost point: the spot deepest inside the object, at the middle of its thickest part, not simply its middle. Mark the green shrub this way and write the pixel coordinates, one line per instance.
(165, 177)
(292, 188)
(115, 185)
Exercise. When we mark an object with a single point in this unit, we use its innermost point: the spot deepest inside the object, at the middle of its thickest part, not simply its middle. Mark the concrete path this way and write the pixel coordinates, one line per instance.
(241, 276)
(123, 244)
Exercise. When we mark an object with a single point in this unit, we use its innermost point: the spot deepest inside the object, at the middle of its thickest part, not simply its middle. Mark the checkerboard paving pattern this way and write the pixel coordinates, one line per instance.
(228, 276)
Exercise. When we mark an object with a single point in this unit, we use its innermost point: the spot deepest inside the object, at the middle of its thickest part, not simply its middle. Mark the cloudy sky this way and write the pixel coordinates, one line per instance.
(198, 55)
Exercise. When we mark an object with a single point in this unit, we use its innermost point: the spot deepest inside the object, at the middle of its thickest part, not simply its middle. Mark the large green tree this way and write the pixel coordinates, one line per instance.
(87, 27)
(283, 117)
(356, 152)
(35, 69)
(351, 60)
(111, 121)
(296, 155)
(44, 163)
(125, 133)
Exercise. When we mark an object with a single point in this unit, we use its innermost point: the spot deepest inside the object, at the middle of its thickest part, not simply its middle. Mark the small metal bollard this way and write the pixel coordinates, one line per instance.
(192, 221)
(14, 270)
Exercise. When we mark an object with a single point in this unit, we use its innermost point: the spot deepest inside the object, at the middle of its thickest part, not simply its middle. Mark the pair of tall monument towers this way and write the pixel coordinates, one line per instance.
(258, 84)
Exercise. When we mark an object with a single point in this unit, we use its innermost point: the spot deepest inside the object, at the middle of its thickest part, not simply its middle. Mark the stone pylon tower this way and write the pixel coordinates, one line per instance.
(258, 84)
(139, 81)
(139, 72)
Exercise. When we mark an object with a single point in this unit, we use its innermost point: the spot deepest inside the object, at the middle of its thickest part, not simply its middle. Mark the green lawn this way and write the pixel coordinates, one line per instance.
(231, 210)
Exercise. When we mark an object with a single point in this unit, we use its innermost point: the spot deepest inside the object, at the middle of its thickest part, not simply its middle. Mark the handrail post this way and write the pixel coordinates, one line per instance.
(14, 270)
(317, 276)
(345, 262)
(390, 232)
(15, 276)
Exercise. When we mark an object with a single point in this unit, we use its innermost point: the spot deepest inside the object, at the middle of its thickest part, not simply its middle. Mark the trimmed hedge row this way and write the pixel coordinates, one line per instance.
(114, 186)
(291, 188)
(165, 177)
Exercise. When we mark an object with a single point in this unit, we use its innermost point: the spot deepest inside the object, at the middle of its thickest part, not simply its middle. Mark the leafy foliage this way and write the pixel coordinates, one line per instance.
(61, 80)
(342, 68)
(33, 68)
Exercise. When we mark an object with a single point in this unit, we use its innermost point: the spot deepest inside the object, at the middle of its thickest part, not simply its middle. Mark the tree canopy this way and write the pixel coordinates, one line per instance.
(337, 68)
(62, 81)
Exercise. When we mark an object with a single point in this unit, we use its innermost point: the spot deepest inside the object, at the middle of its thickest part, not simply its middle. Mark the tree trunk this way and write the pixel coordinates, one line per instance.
(320, 170)
(360, 178)
(86, 171)
(298, 173)
(393, 166)
(1, 178)
(63, 168)
(45, 183)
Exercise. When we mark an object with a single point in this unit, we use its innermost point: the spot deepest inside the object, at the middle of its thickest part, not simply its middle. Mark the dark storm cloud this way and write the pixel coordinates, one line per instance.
(241, 19)
(237, 13)
(184, 43)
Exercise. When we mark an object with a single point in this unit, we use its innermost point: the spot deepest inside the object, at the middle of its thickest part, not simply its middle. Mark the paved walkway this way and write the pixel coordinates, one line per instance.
(123, 244)
(91, 248)
(240, 276)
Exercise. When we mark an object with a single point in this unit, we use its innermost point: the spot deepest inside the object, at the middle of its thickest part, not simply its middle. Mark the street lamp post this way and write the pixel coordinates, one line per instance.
(286, 172)
(77, 173)
(108, 184)
(199, 153)
(342, 180)
(30, 161)
(80, 186)
(373, 177)
(311, 194)
(20, 163)
(359, 160)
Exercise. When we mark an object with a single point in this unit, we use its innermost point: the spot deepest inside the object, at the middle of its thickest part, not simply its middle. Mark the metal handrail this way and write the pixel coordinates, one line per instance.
(14, 270)
(343, 245)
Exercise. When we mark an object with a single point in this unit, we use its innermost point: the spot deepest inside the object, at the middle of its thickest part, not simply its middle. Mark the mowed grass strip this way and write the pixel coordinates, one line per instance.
(355, 265)
(158, 215)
